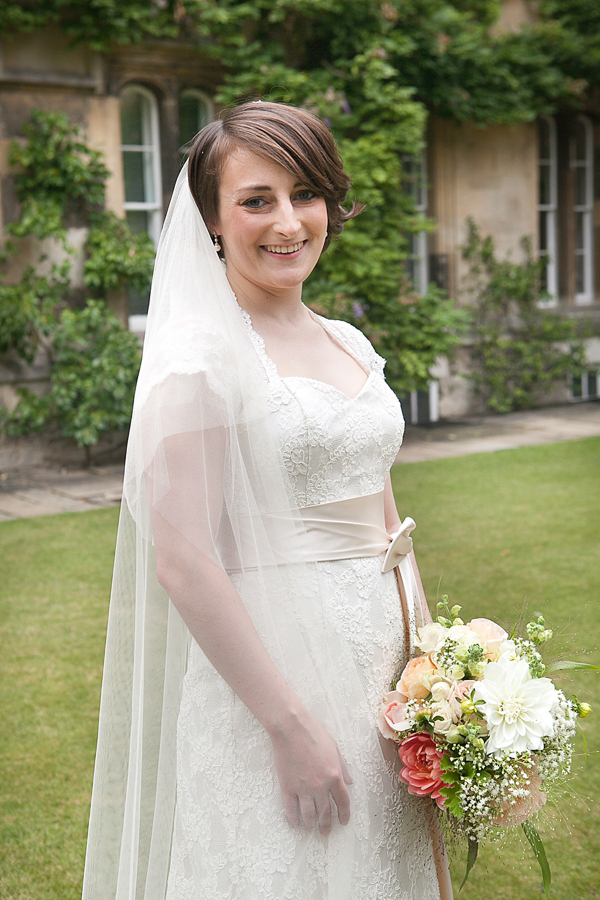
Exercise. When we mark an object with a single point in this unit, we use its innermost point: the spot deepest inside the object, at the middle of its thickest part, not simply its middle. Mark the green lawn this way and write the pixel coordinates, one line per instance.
(541, 504)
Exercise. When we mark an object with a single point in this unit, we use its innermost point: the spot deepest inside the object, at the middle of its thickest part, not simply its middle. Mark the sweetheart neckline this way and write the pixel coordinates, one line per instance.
(327, 384)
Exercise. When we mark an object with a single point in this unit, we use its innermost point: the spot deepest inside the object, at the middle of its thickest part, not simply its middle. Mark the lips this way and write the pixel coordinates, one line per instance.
(283, 249)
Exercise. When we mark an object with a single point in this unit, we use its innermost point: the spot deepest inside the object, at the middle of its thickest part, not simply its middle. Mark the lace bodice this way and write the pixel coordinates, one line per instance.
(334, 447)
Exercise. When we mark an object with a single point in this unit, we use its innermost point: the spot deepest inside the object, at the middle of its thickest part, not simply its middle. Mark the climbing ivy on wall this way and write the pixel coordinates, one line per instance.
(93, 360)
(374, 70)
(520, 350)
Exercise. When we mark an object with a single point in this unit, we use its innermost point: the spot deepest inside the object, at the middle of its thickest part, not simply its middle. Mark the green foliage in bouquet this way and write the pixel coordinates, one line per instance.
(94, 360)
(521, 350)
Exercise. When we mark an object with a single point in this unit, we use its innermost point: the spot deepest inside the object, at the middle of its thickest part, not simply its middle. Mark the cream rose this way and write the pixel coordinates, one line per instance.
(410, 683)
(491, 635)
(431, 637)
(462, 634)
(446, 718)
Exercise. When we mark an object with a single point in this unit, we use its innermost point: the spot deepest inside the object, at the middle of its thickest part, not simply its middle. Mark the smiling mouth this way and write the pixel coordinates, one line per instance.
(282, 249)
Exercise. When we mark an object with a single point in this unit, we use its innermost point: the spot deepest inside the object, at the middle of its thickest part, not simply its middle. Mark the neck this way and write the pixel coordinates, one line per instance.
(284, 306)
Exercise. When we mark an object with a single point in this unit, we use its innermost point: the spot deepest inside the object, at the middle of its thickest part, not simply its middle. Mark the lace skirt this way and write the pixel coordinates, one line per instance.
(231, 839)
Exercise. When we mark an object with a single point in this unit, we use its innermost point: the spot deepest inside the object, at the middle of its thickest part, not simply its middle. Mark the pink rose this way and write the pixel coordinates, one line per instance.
(410, 681)
(489, 634)
(458, 692)
(392, 715)
(421, 767)
(523, 808)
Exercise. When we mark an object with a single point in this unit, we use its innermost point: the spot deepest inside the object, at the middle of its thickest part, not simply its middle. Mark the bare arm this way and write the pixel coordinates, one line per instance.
(308, 762)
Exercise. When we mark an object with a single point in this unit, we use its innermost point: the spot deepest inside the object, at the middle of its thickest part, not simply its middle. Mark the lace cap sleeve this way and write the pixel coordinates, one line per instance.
(357, 344)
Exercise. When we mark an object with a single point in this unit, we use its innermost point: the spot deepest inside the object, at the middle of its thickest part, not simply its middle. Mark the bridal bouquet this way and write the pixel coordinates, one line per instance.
(480, 727)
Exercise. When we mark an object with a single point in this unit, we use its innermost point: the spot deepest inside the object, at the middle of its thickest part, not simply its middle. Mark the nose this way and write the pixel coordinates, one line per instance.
(287, 223)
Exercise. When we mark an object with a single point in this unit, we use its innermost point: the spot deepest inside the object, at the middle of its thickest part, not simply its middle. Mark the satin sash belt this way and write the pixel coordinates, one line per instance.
(344, 529)
(347, 529)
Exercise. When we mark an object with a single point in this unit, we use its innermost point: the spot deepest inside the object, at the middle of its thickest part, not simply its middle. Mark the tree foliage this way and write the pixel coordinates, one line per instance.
(520, 350)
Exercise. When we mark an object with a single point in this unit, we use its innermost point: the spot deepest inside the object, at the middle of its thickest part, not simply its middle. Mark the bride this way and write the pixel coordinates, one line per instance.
(256, 616)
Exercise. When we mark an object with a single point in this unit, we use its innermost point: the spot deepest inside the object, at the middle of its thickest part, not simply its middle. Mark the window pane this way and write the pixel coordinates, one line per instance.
(580, 186)
(137, 172)
(133, 173)
(131, 118)
(193, 115)
(137, 219)
(579, 274)
(545, 184)
(579, 231)
(544, 138)
(543, 232)
(138, 301)
(580, 142)
(592, 379)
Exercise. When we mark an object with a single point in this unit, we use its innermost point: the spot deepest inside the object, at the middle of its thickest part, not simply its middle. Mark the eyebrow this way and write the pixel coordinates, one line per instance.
(263, 187)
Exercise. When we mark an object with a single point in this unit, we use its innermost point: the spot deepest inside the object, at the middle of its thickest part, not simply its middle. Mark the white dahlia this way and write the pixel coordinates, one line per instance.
(517, 707)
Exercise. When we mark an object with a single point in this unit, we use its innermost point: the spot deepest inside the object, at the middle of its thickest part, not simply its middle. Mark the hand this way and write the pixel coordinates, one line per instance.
(310, 768)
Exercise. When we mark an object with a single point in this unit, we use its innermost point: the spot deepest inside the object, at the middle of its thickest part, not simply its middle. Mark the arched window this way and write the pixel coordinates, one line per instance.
(547, 202)
(141, 160)
(583, 164)
(195, 111)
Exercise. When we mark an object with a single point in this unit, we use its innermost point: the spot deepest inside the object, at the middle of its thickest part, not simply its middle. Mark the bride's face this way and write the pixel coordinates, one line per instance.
(272, 225)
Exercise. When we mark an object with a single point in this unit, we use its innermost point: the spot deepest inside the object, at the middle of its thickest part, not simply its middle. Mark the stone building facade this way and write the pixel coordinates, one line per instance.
(139, 105)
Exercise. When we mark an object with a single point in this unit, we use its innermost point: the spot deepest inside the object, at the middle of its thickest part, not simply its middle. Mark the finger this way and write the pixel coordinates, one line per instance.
(308, 813)
(292, 810)
(348, 779)
(342, 801)
(323, 806)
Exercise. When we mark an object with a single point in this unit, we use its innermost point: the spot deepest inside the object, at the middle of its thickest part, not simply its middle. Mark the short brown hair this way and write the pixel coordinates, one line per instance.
(293, 137)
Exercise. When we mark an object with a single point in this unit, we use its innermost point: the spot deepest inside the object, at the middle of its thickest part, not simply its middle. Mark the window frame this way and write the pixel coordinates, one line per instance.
(153, 208)
(416, 184)
(586, 209)
(550, 212)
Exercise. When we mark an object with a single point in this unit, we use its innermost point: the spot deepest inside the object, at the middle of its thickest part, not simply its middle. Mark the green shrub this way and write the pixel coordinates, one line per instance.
(95, 362)
(521, 350)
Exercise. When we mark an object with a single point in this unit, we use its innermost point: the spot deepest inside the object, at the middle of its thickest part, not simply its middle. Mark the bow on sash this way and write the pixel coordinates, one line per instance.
(400, 546)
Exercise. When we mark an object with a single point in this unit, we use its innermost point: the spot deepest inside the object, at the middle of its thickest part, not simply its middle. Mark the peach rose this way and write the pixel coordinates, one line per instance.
(489, 634)
(523, 808)
(410, 681)
(391, 716)
(421, 767)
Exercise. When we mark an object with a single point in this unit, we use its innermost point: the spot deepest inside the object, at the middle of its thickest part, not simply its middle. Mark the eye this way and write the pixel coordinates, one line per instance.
(305, 195)
(254, 203)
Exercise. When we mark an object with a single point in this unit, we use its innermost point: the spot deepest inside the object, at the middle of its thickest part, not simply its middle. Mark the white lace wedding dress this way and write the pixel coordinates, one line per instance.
(231, 840)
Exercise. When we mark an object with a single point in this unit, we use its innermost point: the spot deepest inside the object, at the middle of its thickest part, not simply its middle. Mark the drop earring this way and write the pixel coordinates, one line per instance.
(216, 241)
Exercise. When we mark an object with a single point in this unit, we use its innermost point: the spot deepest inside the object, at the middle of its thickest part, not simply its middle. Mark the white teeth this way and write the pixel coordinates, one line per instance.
(273, 248)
